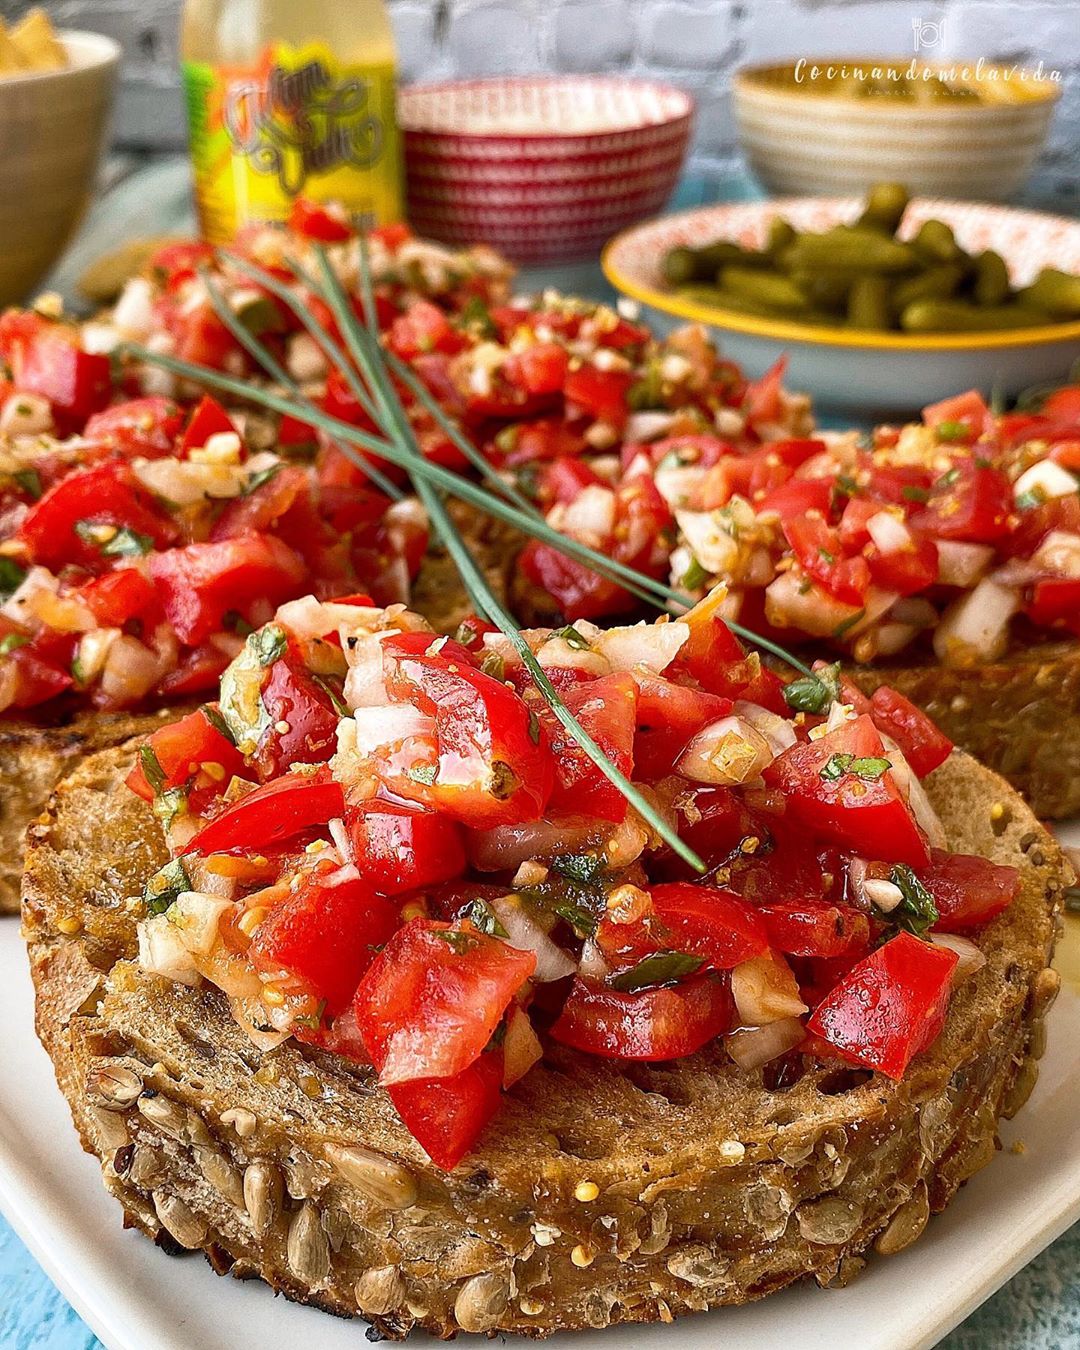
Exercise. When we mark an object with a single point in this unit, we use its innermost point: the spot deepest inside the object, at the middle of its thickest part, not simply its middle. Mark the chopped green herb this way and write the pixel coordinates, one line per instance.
(695, 576)
(423, 773)
(166, 886)
(502, 780)
(572, 638)
(953, 431)
(578, 917)
(915, 494)
(1027, 500)
(842, 628)
(917, 911)
(829, 557)
(659, 968)
(256, 480)
(869, 768)
(234, 622)
(333, 692)
(151, 767)
(492, 663)
(844, 485)
(458, 942)
(124, 543)
(314, 1020)
(261, 315)
(214, 717)
(534, 728)
(268, 643)
(11, 577)
(814, 693)
(982, 463)
(835, 767)
(170, 804)
(485, 918)
(30, 482)
(584, 868)
(12, 643)
(477, 318)
(948, 478)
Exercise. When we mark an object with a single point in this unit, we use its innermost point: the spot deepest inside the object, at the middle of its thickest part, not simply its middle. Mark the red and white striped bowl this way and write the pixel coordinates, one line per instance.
(544, 169)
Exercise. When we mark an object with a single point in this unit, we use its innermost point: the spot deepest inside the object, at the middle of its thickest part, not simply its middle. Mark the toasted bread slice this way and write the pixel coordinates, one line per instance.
(713, 1185)
(32, 761)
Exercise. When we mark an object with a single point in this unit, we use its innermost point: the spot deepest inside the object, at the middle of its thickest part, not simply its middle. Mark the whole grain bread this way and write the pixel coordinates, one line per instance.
(33, 759)
(712, 1185)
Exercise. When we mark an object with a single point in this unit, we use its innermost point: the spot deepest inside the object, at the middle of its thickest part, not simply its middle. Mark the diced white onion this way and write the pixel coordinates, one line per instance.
(889, 533)
(133, 315)
(311, 618)
(652, 645)
(365, 682)
(777, 730)
(811, 610)
(342, 841)
(521, 1046)
(388, 725)
(131, 670)
(592, 964)
(711, 544)
(1058, 554)
(726, 753)
(648, 426)
(93, 652)
(962, 564)
(25, 415)
(591, 515)
(162, 951)
(755, 1046)
(305, 359)
(975, 627)
(523, 932)
(765, 990)
(883, 894)
(970, 957)
(1045, 479)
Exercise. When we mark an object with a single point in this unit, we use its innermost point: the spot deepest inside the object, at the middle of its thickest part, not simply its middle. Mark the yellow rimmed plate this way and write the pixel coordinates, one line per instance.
(863, 374)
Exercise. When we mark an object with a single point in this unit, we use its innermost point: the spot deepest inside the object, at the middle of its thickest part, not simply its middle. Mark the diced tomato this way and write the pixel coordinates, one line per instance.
(308, 712)
(142, 426)
(968, 890)
(1035, 523)
(46, 359)
(971, 502)
(854, 535)
(820, 553)
(889, 1007)
(433, 998)
(191, 749)
(764, 398)
(391, 236)
(104, 494)
(538, 369)
(906, 571)
(967, 410)
(208, 419)
(1063, 403)
(180, 260)
(607, 709)
(923, 745)
(200, 583)
(813, 928)
(702, 921)
(599, 394)
(796, 498)
(313, 220)
(423, 328)
(203, 339)
(403, 848)
(37, 678)
(263, 508)
(198, 670)
(118, 597)
(653, 1024)
(494, 766)
(862, 809)
(325, 935)
(545, 438)
(1055, 600)
(272, 814)
(446, 1116)
(563, 480)
(715, 657)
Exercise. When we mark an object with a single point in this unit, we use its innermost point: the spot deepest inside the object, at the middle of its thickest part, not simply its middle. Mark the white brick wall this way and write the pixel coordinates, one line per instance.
(696, 43)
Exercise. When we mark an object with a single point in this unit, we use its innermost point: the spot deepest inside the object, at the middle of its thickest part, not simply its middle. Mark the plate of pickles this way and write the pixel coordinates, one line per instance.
(880, 304)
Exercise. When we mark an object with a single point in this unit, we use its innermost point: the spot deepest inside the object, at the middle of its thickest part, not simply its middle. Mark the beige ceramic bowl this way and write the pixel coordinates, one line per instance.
(801, 135)
(52, 127)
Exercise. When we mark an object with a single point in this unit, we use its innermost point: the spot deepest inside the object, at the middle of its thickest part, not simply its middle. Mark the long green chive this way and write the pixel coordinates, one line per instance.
(366, 352)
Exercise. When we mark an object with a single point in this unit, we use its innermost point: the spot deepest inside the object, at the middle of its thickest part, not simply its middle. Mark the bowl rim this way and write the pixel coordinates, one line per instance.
(661, 87)
(749, 80)
(790, 330)
(94, 50)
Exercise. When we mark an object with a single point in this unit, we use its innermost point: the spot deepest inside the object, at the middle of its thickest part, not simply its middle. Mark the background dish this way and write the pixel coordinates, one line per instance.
(863, 374)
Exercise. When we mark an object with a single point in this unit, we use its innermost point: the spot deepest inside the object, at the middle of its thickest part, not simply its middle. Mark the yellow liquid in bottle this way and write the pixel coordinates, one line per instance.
(290, 98)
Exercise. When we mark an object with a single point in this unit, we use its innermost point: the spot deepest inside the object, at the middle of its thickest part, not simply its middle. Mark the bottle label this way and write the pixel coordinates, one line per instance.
(297, 123)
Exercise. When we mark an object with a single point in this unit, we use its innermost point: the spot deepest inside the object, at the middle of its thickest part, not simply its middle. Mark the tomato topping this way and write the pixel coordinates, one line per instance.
(446, 1116)
(432, 999)
(403, 848)
(814, 928)
(842, 788)
(46, 359)
(201, 583)
(313, 220)
(1056, 600)
(971, 502)
(142, 426)
(325, 935)
(61, 527)
(272, 814)
(968, 890)
(923, 745)
(817, 546)
(599, 394)
(889, 1006)
(118, 597)
(967, 411)
(700, 921)
(607, 710)
(303, 715)
(175, 755)
(208, 419)
(653, 1024)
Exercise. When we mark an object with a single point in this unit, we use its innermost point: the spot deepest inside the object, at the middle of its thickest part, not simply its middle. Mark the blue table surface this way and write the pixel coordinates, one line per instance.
(1039, 1309)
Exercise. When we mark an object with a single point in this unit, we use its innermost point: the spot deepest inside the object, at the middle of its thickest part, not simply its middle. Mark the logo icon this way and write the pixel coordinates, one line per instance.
(928, 33)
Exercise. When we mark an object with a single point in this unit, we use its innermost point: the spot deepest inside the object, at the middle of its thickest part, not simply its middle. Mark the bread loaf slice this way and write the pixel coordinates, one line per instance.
(712, 1185)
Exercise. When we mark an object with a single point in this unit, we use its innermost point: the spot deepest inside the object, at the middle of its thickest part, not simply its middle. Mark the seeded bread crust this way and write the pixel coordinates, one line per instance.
(33, 759)
(711, 1188)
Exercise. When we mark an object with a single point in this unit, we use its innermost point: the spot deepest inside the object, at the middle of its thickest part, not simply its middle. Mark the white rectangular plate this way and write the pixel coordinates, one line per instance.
(136, 1298)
